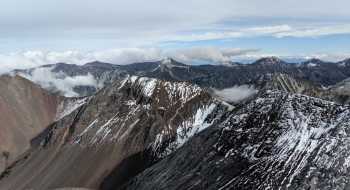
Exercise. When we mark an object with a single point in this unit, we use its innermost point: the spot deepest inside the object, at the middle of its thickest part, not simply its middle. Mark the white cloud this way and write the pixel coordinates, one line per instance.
(236, 93)
(207, 53)
(315, 32)
(329, 56)
(332, 56)
(267, 29)
(59, 81)
(30, 59)
(121, 56)
(111, 24)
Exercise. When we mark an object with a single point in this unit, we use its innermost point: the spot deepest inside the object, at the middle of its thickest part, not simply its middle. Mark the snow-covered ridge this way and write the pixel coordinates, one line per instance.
(68, 107)
(185, 90)
(294, 126)
(165, 95)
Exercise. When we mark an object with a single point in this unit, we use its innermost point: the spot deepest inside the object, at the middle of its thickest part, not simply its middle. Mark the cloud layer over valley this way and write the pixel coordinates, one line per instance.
(120, 56)
(236, 93)
(60, 81)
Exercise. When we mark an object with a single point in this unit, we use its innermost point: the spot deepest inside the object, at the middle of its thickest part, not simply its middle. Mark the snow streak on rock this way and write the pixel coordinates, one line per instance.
(163, 95)
(68, 107)
(198, 122)
(293, 127)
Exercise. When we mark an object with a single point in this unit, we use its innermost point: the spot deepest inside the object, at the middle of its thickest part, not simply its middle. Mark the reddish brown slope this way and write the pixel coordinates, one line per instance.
(26, 110)
(125, 128)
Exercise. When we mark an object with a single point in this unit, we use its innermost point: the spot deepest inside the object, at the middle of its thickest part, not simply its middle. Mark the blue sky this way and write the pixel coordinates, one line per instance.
(41, 32)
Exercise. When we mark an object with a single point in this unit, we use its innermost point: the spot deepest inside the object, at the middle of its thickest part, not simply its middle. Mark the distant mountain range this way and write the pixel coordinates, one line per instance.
(221, 76)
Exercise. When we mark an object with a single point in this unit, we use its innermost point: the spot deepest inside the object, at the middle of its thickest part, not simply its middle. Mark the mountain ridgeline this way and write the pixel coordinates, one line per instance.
(157, 125)
(221, 76)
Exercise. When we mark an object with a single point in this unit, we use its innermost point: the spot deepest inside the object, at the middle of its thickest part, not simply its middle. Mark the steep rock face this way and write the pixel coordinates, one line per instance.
(26, 110)
(125, 128)
(276, 141)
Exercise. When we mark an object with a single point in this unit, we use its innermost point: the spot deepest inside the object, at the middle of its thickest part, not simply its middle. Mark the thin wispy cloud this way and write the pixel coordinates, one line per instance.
(207, 53)
(63, 26)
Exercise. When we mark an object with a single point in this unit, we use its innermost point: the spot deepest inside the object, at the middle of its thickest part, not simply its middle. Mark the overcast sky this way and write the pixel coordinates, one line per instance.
(44, 31)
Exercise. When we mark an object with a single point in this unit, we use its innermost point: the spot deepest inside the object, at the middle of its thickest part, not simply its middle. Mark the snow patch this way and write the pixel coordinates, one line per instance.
(166, 61)
(68, 107)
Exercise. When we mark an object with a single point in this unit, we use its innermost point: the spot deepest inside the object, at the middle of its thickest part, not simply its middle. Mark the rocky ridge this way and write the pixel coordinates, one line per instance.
(125, 128)
(276, 141)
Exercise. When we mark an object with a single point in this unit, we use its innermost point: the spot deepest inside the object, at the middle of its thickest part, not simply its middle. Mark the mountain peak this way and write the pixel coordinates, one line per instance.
(268, 61)
(98, 64)
(170, 61)
(314, 60)
(310, 63)
(229, 64)
(344, 63)
(167, 60)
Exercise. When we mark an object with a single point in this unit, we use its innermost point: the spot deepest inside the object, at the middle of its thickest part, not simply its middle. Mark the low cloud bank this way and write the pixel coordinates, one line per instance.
(236, 93)
(120, 56)
(32, 59)
(59, 81)
(207, 53)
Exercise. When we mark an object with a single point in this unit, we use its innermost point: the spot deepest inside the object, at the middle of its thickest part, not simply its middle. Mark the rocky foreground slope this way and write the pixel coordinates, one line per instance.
(122, 130)
(276, 141)
(146, 133)
(26, 111)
